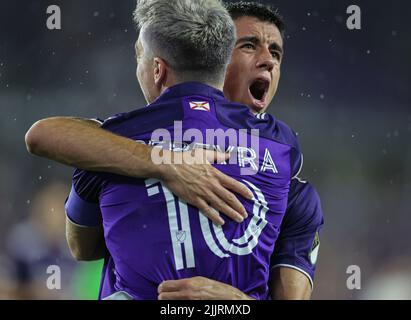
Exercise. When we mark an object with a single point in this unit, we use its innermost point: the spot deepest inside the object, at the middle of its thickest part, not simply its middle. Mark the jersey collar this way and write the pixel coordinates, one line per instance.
(191, 89)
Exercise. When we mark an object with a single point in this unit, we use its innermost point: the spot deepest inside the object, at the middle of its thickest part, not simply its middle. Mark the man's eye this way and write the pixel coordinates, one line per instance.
(276, 55)
(248, 46)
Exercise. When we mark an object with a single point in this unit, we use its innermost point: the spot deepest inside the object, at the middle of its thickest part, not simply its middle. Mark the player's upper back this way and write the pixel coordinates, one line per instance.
(205, 111)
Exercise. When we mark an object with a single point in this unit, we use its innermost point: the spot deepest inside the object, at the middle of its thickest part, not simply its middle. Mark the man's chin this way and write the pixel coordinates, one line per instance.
(254, 105)
(258, 106)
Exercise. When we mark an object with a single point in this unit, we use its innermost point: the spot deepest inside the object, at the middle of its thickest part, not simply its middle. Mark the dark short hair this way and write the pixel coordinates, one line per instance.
(265, 13)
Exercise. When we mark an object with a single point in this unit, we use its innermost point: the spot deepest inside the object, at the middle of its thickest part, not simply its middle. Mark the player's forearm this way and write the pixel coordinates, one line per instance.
(83, 144)
(199, 288)
(289, 284)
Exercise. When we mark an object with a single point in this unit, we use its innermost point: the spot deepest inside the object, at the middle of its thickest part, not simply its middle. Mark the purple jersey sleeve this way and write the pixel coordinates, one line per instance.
(298, 242)
(290, 137)
(82, 204)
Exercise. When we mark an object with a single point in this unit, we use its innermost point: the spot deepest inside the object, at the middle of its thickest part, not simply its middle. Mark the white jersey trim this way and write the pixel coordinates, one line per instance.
(299, 171)
(296, 268)
(97, 120)
(260, 116)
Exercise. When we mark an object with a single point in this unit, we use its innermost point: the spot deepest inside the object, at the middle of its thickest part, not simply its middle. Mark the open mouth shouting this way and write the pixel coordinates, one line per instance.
(258, 91)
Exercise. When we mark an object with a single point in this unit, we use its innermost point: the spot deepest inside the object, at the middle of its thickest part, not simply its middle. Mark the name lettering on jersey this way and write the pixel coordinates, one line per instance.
(268, 163)
(243, 146)
(246, 157)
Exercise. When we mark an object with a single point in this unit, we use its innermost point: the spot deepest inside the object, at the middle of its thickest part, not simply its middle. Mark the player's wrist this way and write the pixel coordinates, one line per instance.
(145, 162)
(161, 164)
(239, 295)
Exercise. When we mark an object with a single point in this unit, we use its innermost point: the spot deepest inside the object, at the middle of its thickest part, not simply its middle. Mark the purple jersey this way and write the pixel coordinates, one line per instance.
(153, 236)
(297, 244)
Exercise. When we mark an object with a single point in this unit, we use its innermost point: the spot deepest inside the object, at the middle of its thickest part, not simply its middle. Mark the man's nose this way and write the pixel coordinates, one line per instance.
(266, 61)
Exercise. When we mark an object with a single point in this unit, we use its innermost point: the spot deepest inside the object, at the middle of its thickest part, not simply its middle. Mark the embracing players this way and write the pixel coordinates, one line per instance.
(252, 78)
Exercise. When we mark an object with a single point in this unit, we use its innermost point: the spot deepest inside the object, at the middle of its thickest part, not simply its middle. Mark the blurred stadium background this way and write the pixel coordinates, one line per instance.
(347, 94)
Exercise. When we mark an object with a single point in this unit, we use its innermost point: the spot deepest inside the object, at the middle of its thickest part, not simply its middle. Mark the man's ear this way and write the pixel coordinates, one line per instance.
(160, 72)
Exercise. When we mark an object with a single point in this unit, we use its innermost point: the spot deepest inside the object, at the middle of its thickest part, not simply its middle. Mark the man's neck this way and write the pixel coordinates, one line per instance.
(174, 83)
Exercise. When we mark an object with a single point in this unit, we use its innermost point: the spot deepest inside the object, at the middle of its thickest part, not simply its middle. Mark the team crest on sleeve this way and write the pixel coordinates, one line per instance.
(314, 249)
(200, 105)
